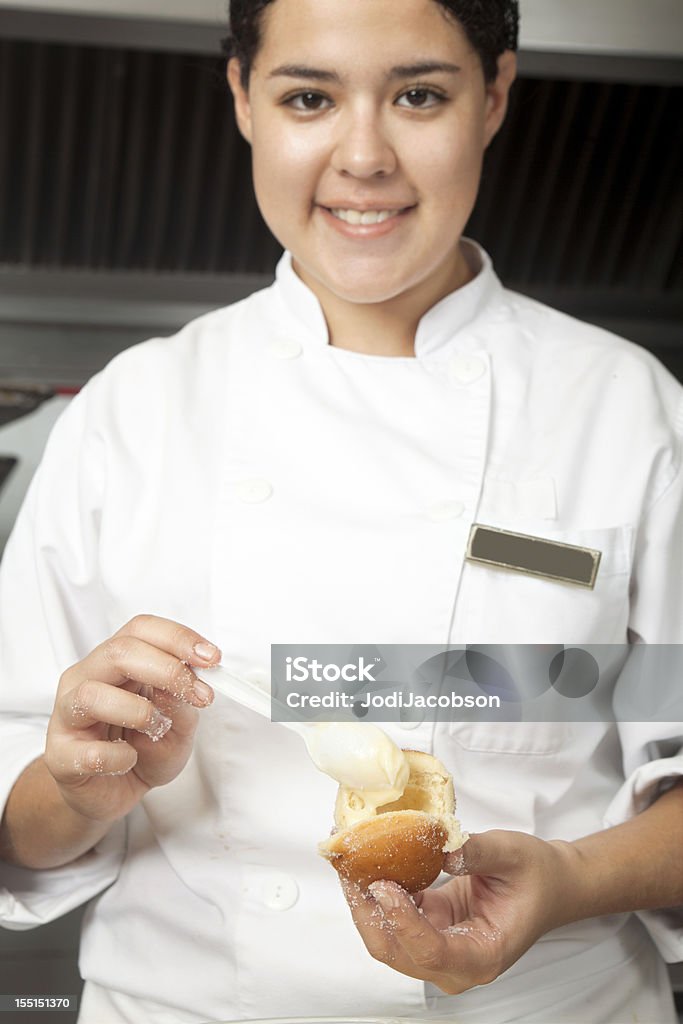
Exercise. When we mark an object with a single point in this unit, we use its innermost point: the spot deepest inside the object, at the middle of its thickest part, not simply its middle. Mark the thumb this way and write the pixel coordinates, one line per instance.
(492, 853)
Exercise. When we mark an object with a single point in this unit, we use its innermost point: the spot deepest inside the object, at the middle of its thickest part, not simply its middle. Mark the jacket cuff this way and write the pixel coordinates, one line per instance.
(30, 898)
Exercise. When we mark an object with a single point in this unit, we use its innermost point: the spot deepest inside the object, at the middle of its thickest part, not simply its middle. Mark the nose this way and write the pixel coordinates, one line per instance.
(362, 147)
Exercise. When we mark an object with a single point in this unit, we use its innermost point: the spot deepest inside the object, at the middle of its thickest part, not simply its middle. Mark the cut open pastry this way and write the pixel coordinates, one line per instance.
(403, 841)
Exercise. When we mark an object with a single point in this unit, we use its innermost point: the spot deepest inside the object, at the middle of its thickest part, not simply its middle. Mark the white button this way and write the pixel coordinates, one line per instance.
(280, 892)
(464, 369)
(444, 511)
(253, 491)
(286, 348)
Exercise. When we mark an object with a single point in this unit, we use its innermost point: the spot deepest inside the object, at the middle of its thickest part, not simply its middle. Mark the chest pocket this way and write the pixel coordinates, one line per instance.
(511, 608)
(524, 738)
(505, 606)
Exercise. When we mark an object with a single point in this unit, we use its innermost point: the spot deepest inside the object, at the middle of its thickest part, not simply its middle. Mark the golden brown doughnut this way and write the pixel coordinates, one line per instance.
(404, 841)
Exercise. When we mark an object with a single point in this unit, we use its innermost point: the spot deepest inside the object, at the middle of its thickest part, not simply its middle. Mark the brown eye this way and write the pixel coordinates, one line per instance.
(311, 101)
(420, 98)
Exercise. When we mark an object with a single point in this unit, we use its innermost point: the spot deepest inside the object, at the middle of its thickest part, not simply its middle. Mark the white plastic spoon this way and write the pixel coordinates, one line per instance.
(356, 754)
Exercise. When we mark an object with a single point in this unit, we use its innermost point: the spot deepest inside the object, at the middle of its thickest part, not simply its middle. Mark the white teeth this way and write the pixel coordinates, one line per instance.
(366, 217)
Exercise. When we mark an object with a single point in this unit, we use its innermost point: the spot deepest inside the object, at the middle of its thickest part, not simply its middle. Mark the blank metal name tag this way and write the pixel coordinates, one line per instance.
(533, 556)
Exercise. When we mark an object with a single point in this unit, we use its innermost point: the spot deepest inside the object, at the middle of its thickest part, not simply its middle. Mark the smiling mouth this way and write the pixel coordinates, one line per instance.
(365, 217)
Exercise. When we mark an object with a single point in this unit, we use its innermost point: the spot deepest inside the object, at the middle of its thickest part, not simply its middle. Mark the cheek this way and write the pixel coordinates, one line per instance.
(453, 173)
(286, 161)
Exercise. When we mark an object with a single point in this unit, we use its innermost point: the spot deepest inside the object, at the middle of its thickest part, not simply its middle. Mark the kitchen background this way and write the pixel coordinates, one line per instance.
(126, 209)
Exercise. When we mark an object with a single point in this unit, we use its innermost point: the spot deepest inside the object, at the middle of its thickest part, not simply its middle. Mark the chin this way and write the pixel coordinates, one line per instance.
(366, 288)
(364, 295)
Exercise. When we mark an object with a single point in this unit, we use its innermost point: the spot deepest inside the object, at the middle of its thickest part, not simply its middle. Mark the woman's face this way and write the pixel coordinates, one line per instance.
(370, 110)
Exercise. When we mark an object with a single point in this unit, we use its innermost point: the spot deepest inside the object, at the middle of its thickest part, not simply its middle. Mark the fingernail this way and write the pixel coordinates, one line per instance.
(204, 650)
(386, 900)
(203, 692)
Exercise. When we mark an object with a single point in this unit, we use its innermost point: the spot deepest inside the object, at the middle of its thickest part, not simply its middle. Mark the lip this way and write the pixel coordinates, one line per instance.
(366, 230)
(369, 207)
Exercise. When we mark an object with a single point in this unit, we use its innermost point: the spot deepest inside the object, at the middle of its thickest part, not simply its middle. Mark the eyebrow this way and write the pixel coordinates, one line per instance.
(423, 67)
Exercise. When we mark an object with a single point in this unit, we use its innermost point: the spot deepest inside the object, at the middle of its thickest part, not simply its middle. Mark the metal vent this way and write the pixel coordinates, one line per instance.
(584, 188)
(113, 159)
(122, 160)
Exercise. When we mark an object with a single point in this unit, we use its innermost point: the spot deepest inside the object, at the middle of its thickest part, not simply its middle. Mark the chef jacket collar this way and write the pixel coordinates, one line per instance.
(449, 322)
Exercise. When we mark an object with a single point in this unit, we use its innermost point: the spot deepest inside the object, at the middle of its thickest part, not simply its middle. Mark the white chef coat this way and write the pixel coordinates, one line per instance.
(250, 480)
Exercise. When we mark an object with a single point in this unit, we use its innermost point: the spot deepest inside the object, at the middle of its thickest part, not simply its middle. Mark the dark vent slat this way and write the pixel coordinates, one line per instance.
(97, 127)
(665, 251)
(219, 230)
(66, 154)
(164, 133)
(33, 154)
(243, 223)
(630, 192)
(111, 147)
(489, 207)
(655, 252)
(6, 76)
(134, 172)
(192, 180)
(541, 216)
(674, 281)
(568, 227)
(522, 169)
(620, 115)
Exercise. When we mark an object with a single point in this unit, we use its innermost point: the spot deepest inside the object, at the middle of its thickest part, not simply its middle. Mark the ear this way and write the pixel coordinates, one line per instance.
(241, 98)
(497, 94)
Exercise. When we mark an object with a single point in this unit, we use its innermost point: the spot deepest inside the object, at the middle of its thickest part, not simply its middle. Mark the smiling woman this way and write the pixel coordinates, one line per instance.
(367, 161)
(313, 463)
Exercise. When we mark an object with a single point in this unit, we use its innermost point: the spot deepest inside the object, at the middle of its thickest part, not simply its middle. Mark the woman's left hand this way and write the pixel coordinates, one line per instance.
(510, 889)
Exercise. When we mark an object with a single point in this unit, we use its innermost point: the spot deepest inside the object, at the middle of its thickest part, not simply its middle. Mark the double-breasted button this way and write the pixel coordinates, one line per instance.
(253, 492)
(279, 892)
(444, 511)
(285, 348)
(465, 369)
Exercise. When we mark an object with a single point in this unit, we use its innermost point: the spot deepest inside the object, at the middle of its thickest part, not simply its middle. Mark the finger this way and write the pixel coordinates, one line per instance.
(125, 657)
(94, 701)
(83, 760)
(493, 853)
(370, 921)
(182, 715)
(437, 906)
(426, 947)
(185, 643)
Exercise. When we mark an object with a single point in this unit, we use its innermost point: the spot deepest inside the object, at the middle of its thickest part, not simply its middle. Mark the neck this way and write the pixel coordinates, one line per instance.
(386, 328)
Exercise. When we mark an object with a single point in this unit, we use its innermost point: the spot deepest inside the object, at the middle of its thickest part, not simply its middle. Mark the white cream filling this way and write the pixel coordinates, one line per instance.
(361, 757)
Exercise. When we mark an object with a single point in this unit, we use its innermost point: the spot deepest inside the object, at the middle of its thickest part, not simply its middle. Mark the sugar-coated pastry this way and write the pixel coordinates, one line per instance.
(403, 841)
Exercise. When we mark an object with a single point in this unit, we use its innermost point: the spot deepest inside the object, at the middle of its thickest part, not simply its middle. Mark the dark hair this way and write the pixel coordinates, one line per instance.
(492, 26)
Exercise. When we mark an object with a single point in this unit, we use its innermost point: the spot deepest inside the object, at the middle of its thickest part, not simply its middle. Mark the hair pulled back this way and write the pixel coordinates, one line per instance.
(491, 26)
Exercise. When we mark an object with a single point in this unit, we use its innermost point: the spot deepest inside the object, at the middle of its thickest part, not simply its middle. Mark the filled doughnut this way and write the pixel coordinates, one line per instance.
(403, 841)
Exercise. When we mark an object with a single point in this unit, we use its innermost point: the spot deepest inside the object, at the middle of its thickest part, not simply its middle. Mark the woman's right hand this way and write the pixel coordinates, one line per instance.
(125, 716)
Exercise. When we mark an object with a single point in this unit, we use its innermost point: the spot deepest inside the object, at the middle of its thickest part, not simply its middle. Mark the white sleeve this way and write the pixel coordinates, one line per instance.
(656, 613)
(51, 615)
(653, 751)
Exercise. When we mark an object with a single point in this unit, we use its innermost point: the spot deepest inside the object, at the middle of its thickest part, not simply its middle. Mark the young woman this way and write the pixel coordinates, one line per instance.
(308, 464)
